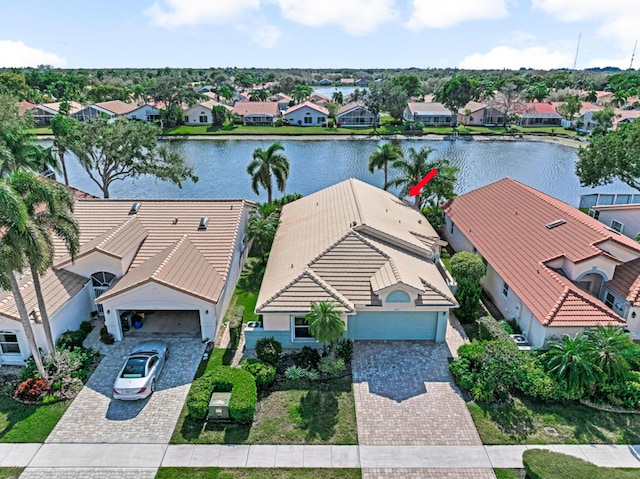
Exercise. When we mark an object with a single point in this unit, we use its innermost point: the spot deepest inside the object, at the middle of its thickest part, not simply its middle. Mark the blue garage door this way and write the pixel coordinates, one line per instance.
(393, 326)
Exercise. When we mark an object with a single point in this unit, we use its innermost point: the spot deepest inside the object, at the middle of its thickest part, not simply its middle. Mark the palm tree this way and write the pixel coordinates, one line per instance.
(412, 170)
(571, 361)
(611, 344)
(381, 158)
(266, 163)
(337, 97)
(20, 234)
(325, 322)
(259, 95)
(300, 92)
(62, 128)
(50, 206)
(263, 223)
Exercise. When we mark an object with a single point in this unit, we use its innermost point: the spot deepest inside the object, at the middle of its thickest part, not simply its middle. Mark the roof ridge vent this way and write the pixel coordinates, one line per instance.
(204, 221)
(134, 207)
(555, 223)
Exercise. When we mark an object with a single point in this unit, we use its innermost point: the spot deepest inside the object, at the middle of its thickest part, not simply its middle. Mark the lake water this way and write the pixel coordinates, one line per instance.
(221, 166)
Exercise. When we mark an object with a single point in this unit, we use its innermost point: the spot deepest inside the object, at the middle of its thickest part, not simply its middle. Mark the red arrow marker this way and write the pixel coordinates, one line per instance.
(415, 190)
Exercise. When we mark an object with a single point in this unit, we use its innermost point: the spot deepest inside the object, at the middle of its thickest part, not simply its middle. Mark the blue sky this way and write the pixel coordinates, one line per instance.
(319, 33)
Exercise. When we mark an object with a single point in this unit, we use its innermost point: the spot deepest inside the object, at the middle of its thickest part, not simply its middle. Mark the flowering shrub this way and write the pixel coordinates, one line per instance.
(32, 389)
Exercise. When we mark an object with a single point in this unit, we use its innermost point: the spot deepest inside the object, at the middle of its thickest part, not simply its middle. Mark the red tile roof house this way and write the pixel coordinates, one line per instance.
(307, 114)
(257, 113)
(538, 114)
(551, 267)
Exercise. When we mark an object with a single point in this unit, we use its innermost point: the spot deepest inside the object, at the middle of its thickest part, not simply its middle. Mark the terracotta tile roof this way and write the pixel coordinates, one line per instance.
(537, 109)
(106, 225)
(348, 242)
(118, 107)
(25, 106)
(308, 104)
(506, 222)
(58, 287)
(626, 281)
(243, 108)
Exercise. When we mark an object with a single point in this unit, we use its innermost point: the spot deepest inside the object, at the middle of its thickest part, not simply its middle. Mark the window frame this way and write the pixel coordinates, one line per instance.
(16, 342)
(294, 328)
(505, 289)
(616, 229)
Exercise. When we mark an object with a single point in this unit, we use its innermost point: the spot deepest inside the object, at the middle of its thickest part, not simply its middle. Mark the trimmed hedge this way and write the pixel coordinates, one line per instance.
(489, 329)
(240, 383)
(541, 464)
(264, 373)
(235, 325)
(269, 350)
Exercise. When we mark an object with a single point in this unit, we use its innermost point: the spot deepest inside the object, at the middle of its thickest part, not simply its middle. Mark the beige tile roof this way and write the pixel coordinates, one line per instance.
(356, 239)
(243, 108)
(181, 266)
(209, 104)
(73, 106)
(157, 226)
(308, 104)
(431, 108)
(472, 106)
(58, 287)
(118, 107)
(350, 106)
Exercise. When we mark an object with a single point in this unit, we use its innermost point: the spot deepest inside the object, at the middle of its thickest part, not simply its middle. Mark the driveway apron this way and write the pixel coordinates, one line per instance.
(95, 417)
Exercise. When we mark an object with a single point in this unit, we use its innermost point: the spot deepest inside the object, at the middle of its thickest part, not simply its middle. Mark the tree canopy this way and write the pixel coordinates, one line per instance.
(469, 266)
(457, 92)
(266, 163)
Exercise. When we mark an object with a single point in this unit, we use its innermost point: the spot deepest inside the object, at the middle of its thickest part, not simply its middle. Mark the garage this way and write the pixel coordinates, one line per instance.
(173, 323)
(393, 326)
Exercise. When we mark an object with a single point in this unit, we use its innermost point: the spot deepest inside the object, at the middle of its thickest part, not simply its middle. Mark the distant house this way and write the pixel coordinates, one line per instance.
(603, 98)
(307, 114)
(43, 113)
(283, 100)
(359, 247)
(205, 89)
(620, 118)
(110, 109)
(319, 99)
(148, 112)
(25, 106)
(433, 114)
(552, 268)
(200, 114)
(472, 114)
(538, 114)
(356, 114)
(347, 81)
(242, 97)
(618, 211)
(584, 108)
(325, 82)
(257, 113)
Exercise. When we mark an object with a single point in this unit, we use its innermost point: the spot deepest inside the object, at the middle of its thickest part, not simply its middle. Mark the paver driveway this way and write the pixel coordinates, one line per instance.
(94, 417)
(405, 395)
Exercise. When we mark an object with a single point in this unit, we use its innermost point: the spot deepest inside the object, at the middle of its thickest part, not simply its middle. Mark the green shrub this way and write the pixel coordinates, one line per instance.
(264, 373)
(535, 382)
(331, 366)
(294, 372)
(240, 383)
(269, 350)
(344, 350)
(468, 296)
(489, 329)
(235, 325)
(70, 340)
(105, 336)
(506, 325)
(621, 394)
(306, 357)
(86, 327)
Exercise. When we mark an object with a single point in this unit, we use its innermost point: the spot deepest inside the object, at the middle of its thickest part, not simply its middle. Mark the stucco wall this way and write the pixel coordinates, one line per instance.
(629, 218)
(298, 116)
(194, 115)
(95, 263)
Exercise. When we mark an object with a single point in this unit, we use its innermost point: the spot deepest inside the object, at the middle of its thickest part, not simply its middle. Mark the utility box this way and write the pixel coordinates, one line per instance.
(219, 406)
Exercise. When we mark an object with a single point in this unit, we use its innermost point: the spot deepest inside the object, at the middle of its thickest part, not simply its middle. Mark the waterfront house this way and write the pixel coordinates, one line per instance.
(257, 113)
(538, 114)
(363, 249)
(356, 114)
(472, 114)
(430, 114)
(319, 99)
(148, 112)
(618, 211)
(109, 109)
(552, 268)
(307, 114)
(200, 114)
(43, 113)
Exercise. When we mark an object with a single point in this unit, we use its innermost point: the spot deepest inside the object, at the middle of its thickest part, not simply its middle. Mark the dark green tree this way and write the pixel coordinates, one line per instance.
(467, 265)
(266, 163)
(572, 362)
(456, 93)
(325, 322)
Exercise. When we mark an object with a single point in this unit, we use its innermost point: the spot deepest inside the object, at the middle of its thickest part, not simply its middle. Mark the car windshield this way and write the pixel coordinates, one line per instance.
(134, 368)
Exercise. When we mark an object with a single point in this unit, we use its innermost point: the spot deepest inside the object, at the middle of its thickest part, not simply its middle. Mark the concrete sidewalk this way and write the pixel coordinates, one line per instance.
(127, 457)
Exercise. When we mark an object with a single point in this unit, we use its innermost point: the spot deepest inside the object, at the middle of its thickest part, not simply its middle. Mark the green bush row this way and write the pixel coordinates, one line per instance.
(264, 373)
(74, 339)
(235, 325)
(240, 383)
(489, 329)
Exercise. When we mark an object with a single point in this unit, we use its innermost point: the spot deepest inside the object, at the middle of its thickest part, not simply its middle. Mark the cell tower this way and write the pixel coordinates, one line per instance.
(575, 60)
(633, 55)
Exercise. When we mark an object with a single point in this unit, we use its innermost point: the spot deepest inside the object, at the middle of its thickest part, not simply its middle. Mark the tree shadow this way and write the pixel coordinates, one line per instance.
(516, 422)
(318, 411)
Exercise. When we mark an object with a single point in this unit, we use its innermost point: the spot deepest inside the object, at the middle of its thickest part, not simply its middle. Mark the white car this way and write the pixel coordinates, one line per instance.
(138, 377)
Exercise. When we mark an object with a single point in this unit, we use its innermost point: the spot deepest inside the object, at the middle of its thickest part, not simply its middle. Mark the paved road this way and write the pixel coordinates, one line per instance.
(94, 417)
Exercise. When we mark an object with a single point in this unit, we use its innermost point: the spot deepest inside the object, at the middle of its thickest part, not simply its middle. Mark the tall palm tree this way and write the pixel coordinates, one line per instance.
(50, 206)
(385, 154)
(300, 92)
(325, 322)
(337, 97)
(62, 128)
(611, 343)
(412, 170)
(266, 163)
(260, 95)
(20, 234)
(571, 361)
(263, 223)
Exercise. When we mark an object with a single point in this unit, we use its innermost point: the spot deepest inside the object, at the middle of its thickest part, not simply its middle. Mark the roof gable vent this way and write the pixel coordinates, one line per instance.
(134, 208)
(204, 221)
(555, 224)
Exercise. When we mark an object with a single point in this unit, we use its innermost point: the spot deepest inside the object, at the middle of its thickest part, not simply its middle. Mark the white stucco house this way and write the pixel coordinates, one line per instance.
(307, 114)
(361, 248)
(110, 109)
(200, 114)
(147, 112)
(428, 113)
(43, 113)
(174, 261)
(618, 211)
(551, 267)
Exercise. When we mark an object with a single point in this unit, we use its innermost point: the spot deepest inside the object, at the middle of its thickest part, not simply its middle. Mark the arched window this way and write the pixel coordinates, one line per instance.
(398, 296)
(101, 282)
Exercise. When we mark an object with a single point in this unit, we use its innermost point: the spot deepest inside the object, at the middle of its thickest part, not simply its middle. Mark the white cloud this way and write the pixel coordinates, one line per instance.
(177, 13)
(445, 14)
(356, 17)
(262, 34)
(17, 54)
(513, 58)
(619, 19)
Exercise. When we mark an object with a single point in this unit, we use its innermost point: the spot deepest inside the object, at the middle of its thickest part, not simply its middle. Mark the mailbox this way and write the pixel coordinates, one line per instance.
(219, 406)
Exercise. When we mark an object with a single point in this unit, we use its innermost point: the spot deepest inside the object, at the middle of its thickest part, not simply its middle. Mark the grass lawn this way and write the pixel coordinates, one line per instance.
(14, 472)
(507, 474)
(257, 473)
(523, 422)
(41, 130)
(292, 412)
(22, 423)
(552, 465)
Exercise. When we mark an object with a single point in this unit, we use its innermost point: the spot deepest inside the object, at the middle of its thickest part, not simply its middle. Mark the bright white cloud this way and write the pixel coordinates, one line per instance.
(513, 58)
(178, 13)
(17, 54)
(619, 19)
(262, 34)
(448, 13)
(356, 17)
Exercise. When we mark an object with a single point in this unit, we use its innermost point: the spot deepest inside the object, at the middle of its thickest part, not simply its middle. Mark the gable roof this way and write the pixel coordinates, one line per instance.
(351, 106)
(308, 104)
(257, 108)
(626, 281)
(118, 107)
(430, 108)
(351, 240)
(506, 222)
(472, 106)
(209, 104)
(55, 107)
(537, 109)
